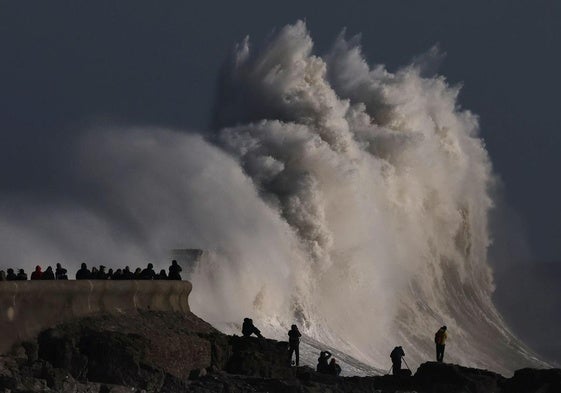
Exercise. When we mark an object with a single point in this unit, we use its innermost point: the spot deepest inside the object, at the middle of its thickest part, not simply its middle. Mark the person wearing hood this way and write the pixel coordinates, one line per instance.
(48, 274)
(60, 272)
(83, 273)
(22, 276)
(37, 274)
(323, 365)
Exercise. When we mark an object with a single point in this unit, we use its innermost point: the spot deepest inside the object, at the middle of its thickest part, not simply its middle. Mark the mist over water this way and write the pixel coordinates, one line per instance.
(338, 195)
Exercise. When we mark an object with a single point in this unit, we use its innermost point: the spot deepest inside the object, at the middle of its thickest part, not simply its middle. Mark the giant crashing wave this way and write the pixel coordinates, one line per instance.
(384, 184)
(345, 198)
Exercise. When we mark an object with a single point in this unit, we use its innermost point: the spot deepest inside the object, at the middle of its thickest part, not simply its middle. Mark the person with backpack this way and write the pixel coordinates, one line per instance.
(440, 341)
(294, 344)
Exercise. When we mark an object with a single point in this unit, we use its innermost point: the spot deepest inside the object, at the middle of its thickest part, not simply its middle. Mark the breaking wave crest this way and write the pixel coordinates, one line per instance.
(336, 194)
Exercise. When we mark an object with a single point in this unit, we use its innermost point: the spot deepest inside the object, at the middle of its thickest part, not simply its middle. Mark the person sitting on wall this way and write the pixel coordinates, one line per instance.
(174, 271)
(22, 276)
(127, 274)
(60, 272)
(118, 275)
(37, 274)
(101, 274)
(10, 275)
(148, 273)
(48, 274)
(248, 328)
(83, 273)
(323, 366)
(162, 275)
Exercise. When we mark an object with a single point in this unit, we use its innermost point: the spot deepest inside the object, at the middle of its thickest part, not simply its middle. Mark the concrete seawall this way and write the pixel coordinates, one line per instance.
(28, 307)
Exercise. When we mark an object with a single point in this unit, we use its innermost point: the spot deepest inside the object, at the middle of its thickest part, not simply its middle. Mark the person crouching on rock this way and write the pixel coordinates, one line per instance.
(323, 366)
(293, 344)
(334, 368)
(440, 341)
(248, 328)
(396, 356)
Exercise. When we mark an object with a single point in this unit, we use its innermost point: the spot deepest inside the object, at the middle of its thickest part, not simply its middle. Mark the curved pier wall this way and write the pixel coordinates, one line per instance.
(28, 307)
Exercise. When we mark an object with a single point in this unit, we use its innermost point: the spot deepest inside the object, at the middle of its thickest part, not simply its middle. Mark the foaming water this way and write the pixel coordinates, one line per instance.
(333, 194)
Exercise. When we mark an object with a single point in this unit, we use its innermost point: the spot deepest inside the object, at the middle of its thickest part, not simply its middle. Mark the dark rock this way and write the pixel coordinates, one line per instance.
(443, 377)
(529, 380)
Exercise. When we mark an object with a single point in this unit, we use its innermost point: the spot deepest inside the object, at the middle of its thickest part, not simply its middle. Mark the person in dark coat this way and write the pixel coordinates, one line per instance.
(60, 272)
(127, 274)
(396, 356)
(118, 275)
(174, 271)
(162, 275)
(101, 274)
(148, 273)
(323, 365)
(294, 344)
(248, 328)
(21, 275)
(136, 274)
(110, 274)
(37, 274)
(83, 273)
(48, 274)
(334, 368)
(2, 275)
(10, 275)
(440, 341)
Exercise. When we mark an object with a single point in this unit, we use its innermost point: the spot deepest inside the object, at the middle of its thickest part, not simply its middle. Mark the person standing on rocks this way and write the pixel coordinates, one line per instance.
(396, 356)
(294, 344)
(440, 341)
(248, 328)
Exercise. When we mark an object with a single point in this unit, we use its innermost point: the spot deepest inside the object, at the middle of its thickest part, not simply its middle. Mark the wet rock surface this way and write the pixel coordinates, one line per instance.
(179, 352)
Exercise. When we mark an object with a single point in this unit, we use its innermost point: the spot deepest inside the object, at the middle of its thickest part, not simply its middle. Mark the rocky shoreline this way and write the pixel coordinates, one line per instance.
(179, 352)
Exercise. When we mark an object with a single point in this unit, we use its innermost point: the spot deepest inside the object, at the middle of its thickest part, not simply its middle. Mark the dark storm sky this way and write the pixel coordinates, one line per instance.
(64, 64)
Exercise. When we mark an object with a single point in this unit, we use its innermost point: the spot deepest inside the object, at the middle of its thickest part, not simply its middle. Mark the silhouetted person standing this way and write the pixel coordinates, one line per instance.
(10, 275)
(21, 275)
(162, 275)
(48, 274)
(83, 273)
(323, 365)
(60, 272)
(294, 344)
(2, 275)
(148, 273)
(174, 271)
(396, 356)
(110, 274)
(136, 274)
(334, 368)
(440, 341)
(37, 274)
(248, 328)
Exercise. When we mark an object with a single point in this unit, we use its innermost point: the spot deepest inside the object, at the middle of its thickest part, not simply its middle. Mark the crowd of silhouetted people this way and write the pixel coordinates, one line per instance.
(96, 273)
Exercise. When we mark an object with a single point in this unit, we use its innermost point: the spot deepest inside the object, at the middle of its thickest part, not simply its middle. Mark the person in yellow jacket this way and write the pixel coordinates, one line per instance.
(440, 341)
